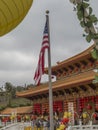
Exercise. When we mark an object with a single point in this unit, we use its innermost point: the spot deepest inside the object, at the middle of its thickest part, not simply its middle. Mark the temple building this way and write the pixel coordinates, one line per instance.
(74, 89)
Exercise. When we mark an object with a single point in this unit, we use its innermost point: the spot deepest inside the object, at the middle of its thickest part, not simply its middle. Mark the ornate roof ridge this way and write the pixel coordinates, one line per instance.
(73, 58)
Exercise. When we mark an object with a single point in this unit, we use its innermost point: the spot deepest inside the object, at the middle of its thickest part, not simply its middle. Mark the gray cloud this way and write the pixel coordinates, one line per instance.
(19, 49)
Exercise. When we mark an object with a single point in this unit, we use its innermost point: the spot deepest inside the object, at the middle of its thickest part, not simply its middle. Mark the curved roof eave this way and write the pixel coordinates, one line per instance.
(76, 80)
(75, 58)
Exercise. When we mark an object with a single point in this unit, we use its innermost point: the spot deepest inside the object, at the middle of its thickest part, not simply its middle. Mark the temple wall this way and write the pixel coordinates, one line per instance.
(45, 106)
(84, 104)
(60, 103)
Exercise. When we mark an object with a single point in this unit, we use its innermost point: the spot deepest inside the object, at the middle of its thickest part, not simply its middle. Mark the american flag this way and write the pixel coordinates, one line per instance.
(45, 45)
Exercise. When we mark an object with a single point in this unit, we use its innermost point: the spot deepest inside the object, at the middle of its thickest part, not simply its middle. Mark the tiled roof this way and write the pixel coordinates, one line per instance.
(75, 80)
(18, 110)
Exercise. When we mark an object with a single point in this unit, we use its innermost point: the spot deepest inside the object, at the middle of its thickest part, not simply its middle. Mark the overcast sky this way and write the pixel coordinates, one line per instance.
(19, 49)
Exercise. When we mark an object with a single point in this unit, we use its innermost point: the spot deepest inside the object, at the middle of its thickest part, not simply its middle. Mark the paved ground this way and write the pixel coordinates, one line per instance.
(18, 126)
(14, 128)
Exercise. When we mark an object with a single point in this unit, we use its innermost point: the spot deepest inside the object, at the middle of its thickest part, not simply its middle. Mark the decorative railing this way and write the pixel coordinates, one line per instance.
(83, 127)
(28, 126)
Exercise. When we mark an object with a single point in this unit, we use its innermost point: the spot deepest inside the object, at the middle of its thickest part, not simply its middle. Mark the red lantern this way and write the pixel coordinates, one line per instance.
(18, 118)
(89, 107)
(94, 115)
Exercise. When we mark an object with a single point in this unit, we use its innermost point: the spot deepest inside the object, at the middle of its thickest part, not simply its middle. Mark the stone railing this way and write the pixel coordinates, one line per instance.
(16, 126)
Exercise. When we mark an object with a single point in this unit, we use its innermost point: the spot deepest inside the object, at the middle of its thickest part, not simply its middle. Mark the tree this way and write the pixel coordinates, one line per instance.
(20, 88)
(88, 22)
(8, 89)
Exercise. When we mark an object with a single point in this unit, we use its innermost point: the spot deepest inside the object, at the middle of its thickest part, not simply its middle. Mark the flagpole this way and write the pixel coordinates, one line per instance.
(49, 76)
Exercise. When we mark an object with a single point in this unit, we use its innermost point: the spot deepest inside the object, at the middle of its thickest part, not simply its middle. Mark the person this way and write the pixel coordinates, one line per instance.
(33, 124)
(45, 124)
(55, 124)
(38, 124)
(57, 111)
(48, 124)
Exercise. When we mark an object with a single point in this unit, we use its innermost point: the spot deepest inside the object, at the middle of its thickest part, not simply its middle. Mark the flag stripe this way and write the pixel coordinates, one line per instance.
(40, 67)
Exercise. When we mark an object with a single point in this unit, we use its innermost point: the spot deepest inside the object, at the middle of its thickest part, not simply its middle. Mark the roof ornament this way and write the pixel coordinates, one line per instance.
(58, 62)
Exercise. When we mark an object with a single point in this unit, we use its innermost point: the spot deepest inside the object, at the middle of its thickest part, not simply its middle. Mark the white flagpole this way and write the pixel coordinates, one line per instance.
(49, 76)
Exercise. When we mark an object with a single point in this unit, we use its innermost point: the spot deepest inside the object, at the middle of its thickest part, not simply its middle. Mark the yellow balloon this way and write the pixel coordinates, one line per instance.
(12, 13)
(84, 115)
(62, 127)
(11, 117)
(65, 116)
(69, 114)
(65, 113)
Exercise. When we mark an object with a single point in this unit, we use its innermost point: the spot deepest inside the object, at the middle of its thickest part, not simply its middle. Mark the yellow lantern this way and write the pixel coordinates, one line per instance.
(84, 115)
(12, 13)
(65, 113)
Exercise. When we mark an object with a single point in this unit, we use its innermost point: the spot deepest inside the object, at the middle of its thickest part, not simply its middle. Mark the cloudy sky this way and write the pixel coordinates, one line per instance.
(19, 49)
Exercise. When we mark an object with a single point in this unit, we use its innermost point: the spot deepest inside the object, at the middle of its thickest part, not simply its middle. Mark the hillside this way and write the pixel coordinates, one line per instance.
(16, 102)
